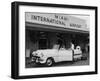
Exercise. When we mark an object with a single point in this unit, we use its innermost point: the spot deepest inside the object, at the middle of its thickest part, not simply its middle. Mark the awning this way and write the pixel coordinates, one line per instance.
(42, 27)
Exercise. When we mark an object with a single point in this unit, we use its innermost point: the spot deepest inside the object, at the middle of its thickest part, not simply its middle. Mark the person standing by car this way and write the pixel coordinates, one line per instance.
(72, 46)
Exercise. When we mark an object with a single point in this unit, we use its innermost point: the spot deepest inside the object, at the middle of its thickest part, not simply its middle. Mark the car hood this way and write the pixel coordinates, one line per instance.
(45, 52)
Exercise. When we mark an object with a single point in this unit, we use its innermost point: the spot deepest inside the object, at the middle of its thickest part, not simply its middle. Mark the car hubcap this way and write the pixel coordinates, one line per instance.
(49, 62)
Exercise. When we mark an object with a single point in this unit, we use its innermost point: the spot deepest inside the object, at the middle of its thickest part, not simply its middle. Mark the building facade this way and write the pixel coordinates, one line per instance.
(46, 31)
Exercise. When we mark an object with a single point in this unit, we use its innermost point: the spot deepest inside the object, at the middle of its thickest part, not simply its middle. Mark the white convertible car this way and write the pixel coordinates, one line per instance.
(51, 56)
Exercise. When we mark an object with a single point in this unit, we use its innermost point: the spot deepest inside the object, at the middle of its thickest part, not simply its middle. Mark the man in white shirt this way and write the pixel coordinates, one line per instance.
(72, 46)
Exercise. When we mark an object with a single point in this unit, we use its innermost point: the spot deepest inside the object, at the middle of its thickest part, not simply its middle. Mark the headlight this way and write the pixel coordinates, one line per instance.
(34, 53)
(39, 54)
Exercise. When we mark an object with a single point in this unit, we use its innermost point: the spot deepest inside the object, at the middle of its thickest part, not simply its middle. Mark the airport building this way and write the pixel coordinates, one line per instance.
(46, 30)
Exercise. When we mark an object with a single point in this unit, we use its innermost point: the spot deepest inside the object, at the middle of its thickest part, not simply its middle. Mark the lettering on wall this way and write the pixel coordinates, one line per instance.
(48, 20)
(61, 17)
(58, 20)
(75, 25)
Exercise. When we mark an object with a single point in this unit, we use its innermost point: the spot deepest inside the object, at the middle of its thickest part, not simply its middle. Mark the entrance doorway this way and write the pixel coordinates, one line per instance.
(42, 43)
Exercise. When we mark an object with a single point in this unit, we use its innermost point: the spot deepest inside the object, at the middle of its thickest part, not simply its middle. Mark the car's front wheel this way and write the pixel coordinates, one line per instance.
(49, 62)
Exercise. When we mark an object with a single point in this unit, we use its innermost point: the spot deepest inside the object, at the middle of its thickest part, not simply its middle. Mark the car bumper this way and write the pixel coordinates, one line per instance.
(37, 60)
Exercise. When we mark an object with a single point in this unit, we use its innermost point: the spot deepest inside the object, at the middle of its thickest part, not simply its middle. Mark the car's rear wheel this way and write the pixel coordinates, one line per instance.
(49, 62)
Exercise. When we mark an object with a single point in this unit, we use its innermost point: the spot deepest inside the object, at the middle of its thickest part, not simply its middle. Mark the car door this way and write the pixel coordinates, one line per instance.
(65, 55)
(55, 55)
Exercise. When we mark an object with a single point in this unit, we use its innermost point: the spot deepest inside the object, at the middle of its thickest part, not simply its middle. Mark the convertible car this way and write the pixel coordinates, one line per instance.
(51, 56)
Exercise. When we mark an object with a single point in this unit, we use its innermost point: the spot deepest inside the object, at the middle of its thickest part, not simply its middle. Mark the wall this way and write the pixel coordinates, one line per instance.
(31, 42)
(5, 40)
(52, 39)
